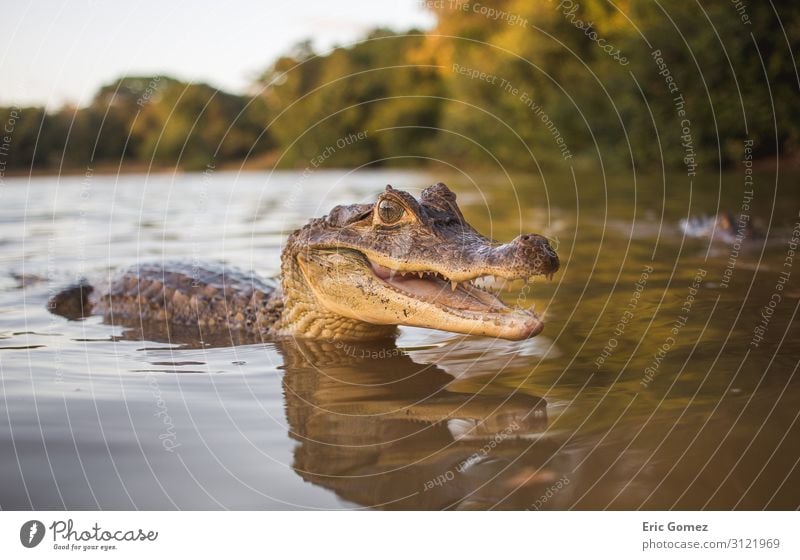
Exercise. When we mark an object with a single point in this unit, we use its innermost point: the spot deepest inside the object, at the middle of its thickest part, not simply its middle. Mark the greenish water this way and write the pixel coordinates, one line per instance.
(651, 386)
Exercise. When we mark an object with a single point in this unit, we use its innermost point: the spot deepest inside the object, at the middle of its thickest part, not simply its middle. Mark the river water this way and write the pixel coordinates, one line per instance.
(666, 376)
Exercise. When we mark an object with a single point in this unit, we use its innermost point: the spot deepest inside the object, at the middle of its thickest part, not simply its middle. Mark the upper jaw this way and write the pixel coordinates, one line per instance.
(470, 307)
(387, 266)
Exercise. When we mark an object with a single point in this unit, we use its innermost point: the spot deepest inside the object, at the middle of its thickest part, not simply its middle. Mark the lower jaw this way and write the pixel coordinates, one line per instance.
(471, 316)
(511, 326)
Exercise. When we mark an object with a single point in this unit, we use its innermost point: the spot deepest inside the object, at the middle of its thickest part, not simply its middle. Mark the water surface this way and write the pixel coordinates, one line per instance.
(644, 391)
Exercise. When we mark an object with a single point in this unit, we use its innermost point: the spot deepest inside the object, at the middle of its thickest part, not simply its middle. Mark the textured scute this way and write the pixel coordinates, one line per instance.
(440, 198)
(214, 296)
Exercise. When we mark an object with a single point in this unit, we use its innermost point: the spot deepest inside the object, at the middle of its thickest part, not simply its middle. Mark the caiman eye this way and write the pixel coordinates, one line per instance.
(390, 211)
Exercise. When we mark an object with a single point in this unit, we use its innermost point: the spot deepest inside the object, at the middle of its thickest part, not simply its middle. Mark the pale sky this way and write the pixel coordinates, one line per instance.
(57, 51)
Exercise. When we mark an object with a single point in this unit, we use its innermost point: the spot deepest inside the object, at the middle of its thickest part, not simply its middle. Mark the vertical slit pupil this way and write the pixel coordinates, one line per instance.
(390, 211)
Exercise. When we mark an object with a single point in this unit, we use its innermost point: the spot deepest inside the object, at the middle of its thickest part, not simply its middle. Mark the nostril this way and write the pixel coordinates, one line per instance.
(532, 238)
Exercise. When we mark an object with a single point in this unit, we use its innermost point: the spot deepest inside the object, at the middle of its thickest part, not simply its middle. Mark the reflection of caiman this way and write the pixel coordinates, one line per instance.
(354, 274)
(388, 433)
(383, 431)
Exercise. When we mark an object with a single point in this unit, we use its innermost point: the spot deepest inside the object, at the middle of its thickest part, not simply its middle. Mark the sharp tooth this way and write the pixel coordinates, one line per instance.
(453, 285)
(420, 273)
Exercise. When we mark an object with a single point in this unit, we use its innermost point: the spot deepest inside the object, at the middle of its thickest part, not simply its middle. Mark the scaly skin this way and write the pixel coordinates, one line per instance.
(354, 274)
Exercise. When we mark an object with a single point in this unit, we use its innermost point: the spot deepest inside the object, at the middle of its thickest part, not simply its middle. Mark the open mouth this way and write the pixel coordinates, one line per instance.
(479, 294)
(352, 284)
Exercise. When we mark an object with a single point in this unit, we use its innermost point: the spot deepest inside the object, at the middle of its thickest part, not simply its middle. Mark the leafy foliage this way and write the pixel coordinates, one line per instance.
(560, 79)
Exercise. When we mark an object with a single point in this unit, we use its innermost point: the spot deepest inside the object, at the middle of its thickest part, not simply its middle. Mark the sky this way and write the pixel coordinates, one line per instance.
(54, 52)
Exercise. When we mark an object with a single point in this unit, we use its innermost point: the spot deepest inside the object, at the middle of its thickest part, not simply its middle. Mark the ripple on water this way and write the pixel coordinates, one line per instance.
(253, 432)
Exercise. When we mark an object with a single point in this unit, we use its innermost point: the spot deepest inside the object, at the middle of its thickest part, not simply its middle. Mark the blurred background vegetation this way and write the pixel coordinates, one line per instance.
(738, 81)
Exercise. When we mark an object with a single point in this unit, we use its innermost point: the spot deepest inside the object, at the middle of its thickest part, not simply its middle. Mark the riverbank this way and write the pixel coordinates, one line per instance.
(270, 161)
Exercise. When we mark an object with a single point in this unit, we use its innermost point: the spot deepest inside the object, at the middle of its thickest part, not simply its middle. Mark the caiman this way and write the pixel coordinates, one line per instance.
(354, 274)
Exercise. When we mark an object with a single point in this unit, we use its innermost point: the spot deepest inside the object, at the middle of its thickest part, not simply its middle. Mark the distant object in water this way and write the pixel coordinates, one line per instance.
(724, 227)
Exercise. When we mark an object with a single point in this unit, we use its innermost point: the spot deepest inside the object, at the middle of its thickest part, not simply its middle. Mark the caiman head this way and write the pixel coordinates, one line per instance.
(364, 269)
